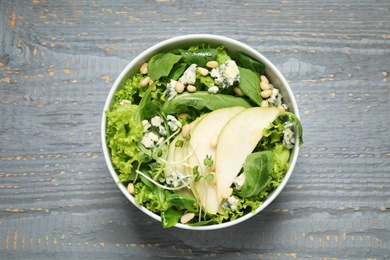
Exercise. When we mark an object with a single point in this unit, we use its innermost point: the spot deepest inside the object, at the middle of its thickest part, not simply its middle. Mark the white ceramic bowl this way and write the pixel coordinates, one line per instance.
(233, 47)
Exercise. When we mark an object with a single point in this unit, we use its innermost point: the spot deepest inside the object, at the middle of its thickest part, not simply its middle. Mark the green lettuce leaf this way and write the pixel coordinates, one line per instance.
(222, 56)
(122, 135)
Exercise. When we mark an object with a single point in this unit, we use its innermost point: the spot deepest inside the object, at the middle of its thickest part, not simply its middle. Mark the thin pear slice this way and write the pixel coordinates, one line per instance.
(200, 146)
(237, 140)
(177, 159)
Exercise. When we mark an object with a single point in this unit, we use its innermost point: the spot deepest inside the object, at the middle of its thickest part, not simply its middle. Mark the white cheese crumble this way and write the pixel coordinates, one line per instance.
(146, 125)
(213, 90)
(156, 121)
(173, 123)
(149, 140)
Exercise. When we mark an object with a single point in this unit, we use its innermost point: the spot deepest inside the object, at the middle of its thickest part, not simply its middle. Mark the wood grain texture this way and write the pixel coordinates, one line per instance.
(58, 60)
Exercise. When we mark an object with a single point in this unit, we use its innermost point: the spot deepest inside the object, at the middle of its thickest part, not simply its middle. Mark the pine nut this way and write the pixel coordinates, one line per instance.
(130, 188)
(266, 93)
(203, 71)
(214, 141)
(185, 130)
(187, 217)
(125, 101)
(281, 108)
(264, 85)
(179, 87)
(144, 69)
(264, 103)
(144, 82)
(191, 88)
(212, 64)
(227, 193)
(264, 79)
(238, 91)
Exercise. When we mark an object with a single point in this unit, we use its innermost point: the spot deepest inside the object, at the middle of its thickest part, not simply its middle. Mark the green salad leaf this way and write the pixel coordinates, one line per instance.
(257, 168)
(247, 62)
(123, 133)
(199, 57)
(160, 65)
(250, 85)
(200, 100)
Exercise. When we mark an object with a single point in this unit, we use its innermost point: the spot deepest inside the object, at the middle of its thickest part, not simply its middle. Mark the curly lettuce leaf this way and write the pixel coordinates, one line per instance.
(222, 56)
(122, 135)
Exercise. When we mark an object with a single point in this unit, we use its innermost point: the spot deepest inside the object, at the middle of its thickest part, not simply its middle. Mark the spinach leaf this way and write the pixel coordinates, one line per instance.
(160, 65)
(182, 202)
(249, 63)
(150, 109)
(146, 97)
(250, 85)
(199, 100)
(177, 71)
(170, 217)
(257, 169)
(200, 57)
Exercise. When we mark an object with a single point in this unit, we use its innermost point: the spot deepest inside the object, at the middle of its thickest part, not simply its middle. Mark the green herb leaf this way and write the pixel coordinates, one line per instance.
(208, 161)
(209, 177)
(179, 143)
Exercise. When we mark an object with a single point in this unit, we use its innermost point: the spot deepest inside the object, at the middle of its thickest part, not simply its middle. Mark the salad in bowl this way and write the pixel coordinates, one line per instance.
(201, 132)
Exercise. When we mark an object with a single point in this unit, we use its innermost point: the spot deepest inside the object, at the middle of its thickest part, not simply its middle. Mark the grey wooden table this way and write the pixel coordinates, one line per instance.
(58, 61)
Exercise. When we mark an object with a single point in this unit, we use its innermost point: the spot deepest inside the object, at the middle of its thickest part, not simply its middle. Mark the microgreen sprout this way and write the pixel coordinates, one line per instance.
(208, 161)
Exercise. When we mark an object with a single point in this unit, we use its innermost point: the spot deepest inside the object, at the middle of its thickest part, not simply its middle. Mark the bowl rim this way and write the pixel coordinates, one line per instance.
(223, 40)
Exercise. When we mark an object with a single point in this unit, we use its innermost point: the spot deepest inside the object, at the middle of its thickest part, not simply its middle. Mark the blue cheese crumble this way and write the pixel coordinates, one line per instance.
(231, 203)
(226, 74)
(177, 178)
(189, 76)
(288, 135)
(239, 181)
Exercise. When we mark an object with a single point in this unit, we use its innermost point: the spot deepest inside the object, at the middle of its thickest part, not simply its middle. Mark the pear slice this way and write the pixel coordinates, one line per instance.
(237, 140)
(200, 145)
(176, 159)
